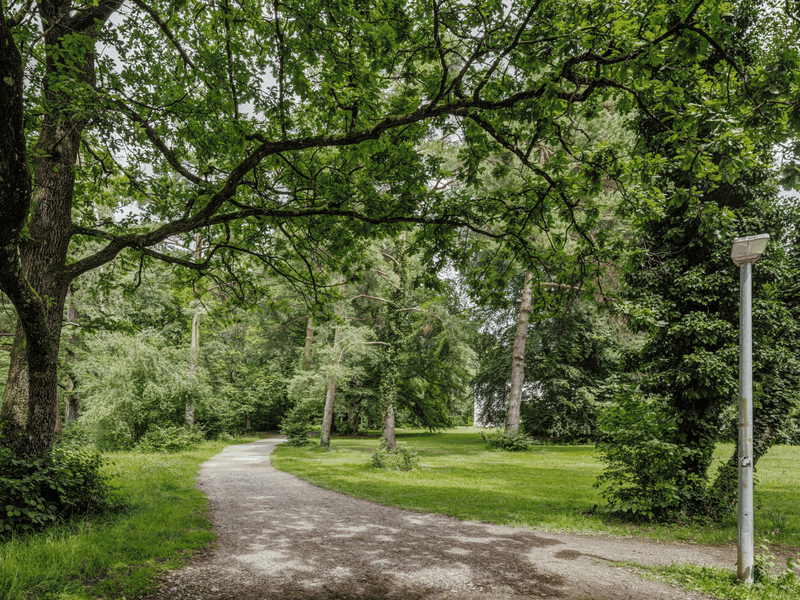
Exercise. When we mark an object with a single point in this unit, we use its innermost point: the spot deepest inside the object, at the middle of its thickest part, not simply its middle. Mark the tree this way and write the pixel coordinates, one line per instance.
(304, 139)
(685, 291)
(130, 383)
(573, 360)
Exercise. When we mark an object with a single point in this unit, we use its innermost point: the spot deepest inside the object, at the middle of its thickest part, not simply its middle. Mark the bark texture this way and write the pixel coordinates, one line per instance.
(33, 250)
(518, 357)
(389, 440)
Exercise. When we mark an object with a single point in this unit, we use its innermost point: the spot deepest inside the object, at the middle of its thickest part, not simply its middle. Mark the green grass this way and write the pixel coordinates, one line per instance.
(723, 584)
(119, 555)
(546, 487)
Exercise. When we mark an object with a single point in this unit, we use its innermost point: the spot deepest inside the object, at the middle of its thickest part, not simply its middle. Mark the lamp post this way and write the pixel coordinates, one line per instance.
(744, 253)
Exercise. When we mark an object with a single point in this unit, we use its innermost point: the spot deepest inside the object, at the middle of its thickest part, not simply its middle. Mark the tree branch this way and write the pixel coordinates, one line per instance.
(391, 258)
(442, 321)
(158, 142)
(20, 15)
(385, 277)
(91, 16)
(163, 26)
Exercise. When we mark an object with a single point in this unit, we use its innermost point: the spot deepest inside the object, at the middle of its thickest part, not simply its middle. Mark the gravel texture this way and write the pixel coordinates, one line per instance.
(282, 538)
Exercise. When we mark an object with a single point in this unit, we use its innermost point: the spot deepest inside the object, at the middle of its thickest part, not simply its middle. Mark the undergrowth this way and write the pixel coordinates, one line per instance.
(38, 491)
(513, 441)
(402, 458)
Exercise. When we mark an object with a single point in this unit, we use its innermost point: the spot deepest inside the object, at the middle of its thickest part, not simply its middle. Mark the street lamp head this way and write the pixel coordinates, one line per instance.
(748, 249)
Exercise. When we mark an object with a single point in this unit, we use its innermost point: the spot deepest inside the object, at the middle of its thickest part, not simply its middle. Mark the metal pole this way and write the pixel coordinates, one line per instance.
(745, 554)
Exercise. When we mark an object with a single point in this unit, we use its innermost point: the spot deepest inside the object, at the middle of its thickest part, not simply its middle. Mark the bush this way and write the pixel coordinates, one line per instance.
(34, 492)
(295, 432)
(513, 441)
(644, 459)
(169, 439)
(401, 458)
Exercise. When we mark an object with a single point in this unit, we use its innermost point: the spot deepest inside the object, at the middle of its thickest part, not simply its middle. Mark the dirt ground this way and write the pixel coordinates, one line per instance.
(282, 538)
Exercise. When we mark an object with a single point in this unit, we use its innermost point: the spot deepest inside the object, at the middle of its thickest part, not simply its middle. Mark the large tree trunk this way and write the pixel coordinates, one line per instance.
(518, 356)
(34, 354)
(32, 263)
(327, 415)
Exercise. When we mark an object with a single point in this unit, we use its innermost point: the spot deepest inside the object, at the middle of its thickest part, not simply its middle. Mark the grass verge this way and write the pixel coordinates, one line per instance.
(546, 487)
(118, 555)
(723, 584)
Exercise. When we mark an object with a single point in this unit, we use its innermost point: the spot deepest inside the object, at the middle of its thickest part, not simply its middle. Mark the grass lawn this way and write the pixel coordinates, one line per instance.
(546, 487)
(116, 556)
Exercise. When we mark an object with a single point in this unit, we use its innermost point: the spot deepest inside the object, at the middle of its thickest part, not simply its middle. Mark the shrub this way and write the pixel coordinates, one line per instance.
(513, 441)
(402, 458)
(295, 432)
(169, 439)
(644, 459)
(35, 491)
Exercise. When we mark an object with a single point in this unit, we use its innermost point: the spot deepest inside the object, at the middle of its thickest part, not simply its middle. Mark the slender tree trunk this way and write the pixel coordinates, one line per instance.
(70, 402)
(394, 337)
(327, 415)
(194, 351)
(353, 417)
(389, 378)
(57, 429)
(309, 342)
(518, 356)
(71, 407)
(194, 365)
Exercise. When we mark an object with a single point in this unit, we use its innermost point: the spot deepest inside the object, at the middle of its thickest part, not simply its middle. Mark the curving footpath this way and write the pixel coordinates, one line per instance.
(282, 538)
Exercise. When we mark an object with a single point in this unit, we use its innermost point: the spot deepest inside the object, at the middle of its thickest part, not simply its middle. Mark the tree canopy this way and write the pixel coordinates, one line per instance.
(276, 127)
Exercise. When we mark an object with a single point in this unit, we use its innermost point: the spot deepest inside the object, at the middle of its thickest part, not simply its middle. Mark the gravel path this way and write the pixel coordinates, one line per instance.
(282, 538)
